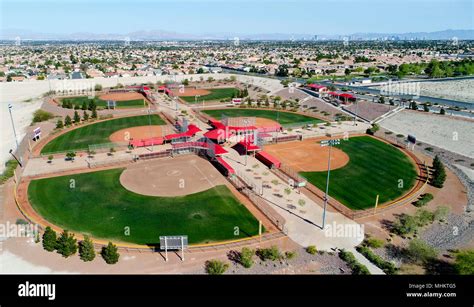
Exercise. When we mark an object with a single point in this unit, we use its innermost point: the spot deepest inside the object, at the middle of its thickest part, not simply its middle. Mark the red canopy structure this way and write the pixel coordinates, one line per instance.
(268, 159)
(249, 145)
(147, 142)
(317, 87)
(226, 166)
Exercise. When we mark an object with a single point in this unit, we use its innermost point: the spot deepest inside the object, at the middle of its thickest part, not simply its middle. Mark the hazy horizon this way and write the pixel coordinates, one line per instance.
(330, 17)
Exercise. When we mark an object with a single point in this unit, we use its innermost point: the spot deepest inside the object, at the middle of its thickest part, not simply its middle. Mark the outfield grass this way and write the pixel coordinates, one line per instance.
(215, 94)
(284, 118)
(78, 101)
(100, 206)
(374, 168)
(98, 133)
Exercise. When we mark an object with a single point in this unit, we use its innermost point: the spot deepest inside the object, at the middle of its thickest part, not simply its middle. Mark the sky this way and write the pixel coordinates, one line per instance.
(232, 16)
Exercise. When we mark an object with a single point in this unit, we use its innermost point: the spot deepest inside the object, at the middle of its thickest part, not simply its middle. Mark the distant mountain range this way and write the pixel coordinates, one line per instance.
(153, 35)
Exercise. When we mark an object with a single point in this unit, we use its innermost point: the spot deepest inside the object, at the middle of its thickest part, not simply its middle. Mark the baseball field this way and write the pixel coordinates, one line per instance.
(98, 133)
(136, 101)
(189, 95)
(374, 168)
(283, 118)
(99, 205)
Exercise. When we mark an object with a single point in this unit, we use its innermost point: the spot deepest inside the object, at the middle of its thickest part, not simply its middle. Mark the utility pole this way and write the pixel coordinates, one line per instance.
(14, 132)
(329, 143)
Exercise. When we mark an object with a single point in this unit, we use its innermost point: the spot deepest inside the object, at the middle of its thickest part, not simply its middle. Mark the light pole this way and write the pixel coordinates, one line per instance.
(329, 143)
(151, 132)
(14, 130)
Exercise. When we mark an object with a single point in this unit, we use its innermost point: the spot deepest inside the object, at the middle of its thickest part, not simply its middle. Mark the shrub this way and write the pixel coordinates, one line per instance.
(246, 257)
(9, 171)
(291, 255)
(423, 200)
(86, 249)
(66, 244)
(272, 253)
(41, 116)
(311, 250)
(356, 267)
(216, 267)
(441, 213)
(405, 224)
(464, 263)
(49, 239)
(110, 253)
(374, 243)
(420, 251)
(386, 266)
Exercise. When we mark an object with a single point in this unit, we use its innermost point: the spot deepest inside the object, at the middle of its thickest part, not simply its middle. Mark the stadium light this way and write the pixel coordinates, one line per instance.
(329, 143)
(10, 107)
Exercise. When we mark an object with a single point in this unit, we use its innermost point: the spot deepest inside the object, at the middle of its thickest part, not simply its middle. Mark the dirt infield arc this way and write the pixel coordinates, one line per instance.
(122, 96)
(177, 176)
(307, 155)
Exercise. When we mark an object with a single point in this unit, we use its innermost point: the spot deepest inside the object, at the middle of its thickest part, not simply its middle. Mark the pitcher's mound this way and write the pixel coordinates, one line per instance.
(179, 176)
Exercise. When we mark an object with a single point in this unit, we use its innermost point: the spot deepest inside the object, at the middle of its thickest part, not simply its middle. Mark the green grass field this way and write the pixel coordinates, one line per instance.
(284, 118)
(78, 101)
(98, 133)
(374, 168)
(101, 207)
(216, 94)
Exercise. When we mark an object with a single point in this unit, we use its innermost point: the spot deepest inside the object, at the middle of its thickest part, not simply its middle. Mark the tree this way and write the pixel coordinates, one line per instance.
(85, 116)
(77, 118)
(68, 120)
(71, 155)
(439, 173)
(442, 111)
(413, 106)
(66, 244)
(59, 124)
(86, 249)
(110, 253)
(420, 251)
(84, 105)
(426, 108)
(94, 113)
(464, 264)
(49, 239)
(185, 82)
(98, 87)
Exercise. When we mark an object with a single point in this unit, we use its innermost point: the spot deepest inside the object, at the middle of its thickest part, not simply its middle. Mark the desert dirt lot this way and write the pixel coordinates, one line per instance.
(307, 155)
(122, 96)
(450, 133)
(171, 177)
(140, 132)
(190, 91)
(460, 90)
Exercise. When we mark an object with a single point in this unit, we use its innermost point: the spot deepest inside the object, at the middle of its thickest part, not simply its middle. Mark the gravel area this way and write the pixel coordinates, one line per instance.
(303, 263)
(455, 232)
